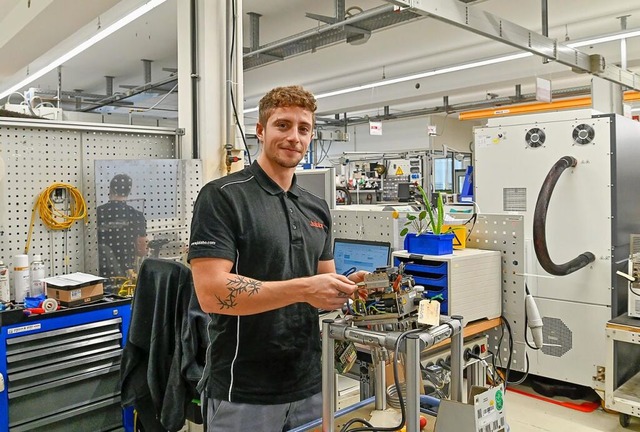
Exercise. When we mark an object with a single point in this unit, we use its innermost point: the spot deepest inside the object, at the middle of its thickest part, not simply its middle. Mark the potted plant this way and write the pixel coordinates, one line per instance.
(428, 237)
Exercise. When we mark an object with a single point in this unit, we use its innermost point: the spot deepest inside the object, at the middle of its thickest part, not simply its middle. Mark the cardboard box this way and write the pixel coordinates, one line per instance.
(75, 289)
(76, 296)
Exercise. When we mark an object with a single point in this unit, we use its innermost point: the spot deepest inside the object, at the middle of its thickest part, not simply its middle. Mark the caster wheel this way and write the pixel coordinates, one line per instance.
(625, 420)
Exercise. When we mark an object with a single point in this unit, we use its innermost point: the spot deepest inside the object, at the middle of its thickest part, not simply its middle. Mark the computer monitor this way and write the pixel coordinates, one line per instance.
(320, 182)
(361, 254)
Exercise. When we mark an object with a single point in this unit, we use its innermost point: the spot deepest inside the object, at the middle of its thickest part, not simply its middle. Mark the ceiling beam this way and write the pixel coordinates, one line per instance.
(110, 100)
(486, 24)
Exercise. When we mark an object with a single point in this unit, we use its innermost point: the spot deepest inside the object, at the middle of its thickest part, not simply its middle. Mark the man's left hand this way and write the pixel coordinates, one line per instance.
(357, 276)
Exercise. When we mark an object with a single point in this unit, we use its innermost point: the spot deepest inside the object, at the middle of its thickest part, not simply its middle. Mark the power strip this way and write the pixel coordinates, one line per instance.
(478, 345)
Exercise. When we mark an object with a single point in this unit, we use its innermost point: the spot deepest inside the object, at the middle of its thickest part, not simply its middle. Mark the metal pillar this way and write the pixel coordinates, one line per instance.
(59, 94)
(457, 346)
(606, 96)
(328, 381)
(202, 66)
(413, 380)
(254, 30)
(147, 70)
(623, 42)
(109, 85)
(380, 383)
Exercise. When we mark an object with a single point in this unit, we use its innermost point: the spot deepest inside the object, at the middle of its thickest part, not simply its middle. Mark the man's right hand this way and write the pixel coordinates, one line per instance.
(328, 291)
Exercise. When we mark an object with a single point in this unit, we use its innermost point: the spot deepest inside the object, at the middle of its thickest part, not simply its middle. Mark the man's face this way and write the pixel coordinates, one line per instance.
(286, 136)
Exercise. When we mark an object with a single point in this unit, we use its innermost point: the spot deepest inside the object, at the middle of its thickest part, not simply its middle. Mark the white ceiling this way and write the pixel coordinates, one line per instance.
(26, 33)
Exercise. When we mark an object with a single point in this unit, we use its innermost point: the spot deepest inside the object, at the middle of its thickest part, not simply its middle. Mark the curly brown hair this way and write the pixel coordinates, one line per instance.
(289, 96)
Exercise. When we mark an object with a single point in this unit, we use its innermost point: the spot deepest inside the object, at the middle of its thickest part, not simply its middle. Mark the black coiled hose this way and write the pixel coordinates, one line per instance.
(540, 221)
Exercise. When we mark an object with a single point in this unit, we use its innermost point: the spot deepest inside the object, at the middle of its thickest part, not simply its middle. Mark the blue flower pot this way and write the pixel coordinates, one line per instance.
(429, 244)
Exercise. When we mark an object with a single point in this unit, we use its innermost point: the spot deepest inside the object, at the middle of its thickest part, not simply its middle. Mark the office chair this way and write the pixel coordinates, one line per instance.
(163, 357)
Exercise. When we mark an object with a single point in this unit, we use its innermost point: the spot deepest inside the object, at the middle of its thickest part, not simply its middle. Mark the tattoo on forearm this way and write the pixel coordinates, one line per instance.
(237, 286)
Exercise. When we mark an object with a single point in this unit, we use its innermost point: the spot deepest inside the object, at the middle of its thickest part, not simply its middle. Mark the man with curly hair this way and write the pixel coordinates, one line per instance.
(260, 252)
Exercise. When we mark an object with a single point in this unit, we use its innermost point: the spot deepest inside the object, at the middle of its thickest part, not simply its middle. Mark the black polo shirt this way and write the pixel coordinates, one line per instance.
(270, 235)
(119, 226)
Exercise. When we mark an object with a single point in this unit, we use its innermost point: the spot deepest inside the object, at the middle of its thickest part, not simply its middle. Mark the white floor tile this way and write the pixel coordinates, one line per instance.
(526, 414)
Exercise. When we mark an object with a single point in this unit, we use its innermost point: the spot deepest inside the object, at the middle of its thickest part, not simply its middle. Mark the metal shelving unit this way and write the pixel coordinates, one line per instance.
(622, 375)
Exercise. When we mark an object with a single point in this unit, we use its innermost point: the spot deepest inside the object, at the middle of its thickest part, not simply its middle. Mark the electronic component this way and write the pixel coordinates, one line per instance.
(384, 294)
(345, 356)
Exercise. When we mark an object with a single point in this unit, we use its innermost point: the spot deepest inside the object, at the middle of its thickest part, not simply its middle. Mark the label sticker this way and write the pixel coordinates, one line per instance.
(23, 329)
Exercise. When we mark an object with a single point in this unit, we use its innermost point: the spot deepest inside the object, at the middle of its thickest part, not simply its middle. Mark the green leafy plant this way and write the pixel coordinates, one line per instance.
(420, 223)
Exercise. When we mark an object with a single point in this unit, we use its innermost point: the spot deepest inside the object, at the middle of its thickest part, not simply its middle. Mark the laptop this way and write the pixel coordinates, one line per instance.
(360, 254)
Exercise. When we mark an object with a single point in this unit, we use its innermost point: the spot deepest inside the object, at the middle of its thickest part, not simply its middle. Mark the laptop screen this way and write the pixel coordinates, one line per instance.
(361, 254)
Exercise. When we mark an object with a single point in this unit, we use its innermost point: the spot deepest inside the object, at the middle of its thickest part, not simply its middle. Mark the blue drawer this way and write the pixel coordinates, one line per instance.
(437, 283)
(433, 267)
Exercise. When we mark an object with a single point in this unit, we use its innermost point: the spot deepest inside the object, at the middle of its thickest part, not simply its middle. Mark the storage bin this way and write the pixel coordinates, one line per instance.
(429, 244)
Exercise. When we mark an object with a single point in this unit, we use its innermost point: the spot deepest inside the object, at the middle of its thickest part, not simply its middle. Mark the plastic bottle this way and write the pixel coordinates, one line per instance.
(37, 276)
(5, 286)
(21, 277)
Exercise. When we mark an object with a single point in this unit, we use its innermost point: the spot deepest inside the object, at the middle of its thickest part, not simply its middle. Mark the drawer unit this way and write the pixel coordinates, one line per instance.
(466, 282)
(62, 370)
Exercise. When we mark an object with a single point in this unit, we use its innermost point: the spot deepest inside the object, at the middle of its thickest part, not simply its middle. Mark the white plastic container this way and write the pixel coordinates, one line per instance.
(21, 277)
(5, 285)
(38, 285)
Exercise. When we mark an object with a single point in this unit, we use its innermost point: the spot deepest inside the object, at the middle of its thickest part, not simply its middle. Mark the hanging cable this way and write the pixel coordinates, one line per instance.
(54, 218)
(155, 104)
(233, 102)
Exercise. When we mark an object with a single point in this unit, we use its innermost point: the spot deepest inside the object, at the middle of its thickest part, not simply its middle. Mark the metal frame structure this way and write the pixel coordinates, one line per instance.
(410, 343)
(486, 24)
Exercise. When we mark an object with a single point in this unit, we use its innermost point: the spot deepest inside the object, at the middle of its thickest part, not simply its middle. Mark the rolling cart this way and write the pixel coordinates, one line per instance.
(60, 371)
(622, 374)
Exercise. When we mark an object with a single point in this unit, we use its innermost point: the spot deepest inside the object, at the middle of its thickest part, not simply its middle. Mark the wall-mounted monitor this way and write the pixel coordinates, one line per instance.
(319, 181)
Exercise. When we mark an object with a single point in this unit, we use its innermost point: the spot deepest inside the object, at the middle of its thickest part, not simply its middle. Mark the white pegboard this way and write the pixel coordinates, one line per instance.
(500, 232)
(373, 225)
(32, 157)
(505, 233)
(32, 160)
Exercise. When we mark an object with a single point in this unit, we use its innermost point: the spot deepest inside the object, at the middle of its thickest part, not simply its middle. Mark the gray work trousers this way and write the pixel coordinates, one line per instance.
(226, 416)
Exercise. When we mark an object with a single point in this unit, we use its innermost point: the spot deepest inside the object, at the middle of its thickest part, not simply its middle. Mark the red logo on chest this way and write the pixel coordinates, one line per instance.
(316, 224)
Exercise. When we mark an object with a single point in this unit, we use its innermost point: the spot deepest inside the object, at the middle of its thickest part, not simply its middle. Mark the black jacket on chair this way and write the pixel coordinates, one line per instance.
(163, 357)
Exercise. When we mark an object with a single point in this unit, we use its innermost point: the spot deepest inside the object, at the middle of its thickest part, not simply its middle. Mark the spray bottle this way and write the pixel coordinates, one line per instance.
(37, 276)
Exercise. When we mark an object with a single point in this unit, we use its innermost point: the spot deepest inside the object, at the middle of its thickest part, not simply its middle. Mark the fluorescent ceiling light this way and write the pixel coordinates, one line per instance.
(466, 66)
(603, 39)
(84, 45)
(420, 75)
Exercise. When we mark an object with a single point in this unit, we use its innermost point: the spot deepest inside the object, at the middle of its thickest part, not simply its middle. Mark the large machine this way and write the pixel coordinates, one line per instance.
(574, 177)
